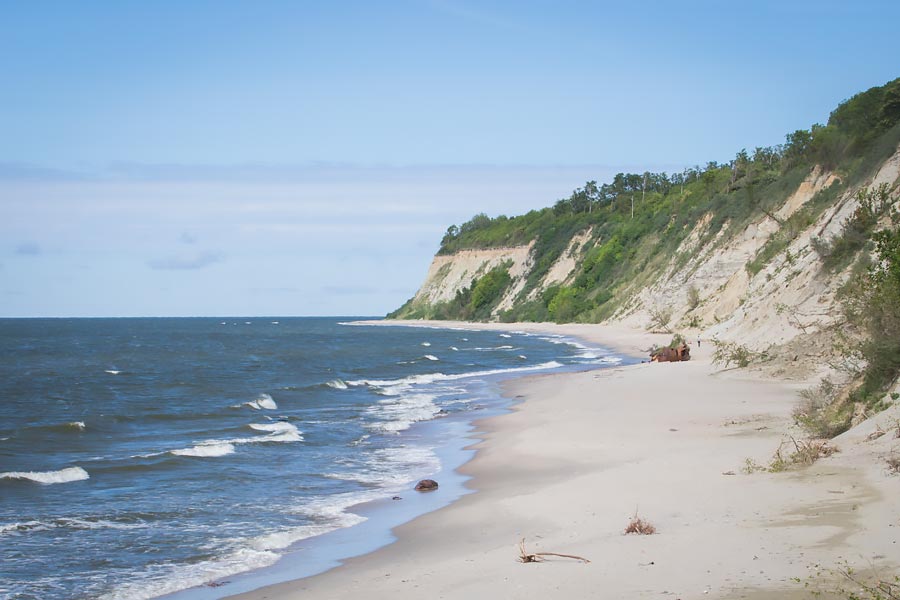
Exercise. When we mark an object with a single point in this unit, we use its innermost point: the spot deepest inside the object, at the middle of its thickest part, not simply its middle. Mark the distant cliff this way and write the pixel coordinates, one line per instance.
(718, 248)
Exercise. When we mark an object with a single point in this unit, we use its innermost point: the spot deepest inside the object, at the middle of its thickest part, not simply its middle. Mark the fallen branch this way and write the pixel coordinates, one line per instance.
(527, 557)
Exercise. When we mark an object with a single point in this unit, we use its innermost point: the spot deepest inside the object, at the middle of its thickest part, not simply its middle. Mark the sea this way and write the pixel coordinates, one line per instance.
(200, 457)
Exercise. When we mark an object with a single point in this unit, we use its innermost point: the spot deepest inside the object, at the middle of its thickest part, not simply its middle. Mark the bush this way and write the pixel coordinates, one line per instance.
(693, 297)
(837, 252)
(872, 305)
(732, 353)
(660, 318)
(820, 411)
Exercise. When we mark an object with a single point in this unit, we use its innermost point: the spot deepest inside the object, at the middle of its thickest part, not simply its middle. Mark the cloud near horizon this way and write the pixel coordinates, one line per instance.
(185, 262)
(331, 240)
(29, 249)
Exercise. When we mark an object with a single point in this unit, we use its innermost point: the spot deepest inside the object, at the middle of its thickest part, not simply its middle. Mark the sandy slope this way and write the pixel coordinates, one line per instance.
(571, 464)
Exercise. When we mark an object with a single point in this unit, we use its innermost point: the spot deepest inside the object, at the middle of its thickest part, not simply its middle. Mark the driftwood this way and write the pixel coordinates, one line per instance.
(527, 557)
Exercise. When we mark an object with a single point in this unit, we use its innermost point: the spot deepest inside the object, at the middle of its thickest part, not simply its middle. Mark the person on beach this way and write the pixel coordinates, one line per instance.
(698, 342)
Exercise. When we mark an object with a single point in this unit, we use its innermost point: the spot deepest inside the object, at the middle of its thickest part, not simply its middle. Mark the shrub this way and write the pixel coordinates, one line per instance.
(732, 353)
(872, 306)
(893, 464)
(660, 319)
(820, 412)
(806, 452)
(693, 297)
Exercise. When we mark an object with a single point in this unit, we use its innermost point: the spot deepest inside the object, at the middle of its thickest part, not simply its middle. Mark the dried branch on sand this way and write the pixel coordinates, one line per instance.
(527, 557)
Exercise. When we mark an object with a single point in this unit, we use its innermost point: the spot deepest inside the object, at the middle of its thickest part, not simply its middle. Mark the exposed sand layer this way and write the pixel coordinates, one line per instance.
(571, 464)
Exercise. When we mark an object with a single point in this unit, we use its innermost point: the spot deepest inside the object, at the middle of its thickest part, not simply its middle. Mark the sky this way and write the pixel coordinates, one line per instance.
(178, 158)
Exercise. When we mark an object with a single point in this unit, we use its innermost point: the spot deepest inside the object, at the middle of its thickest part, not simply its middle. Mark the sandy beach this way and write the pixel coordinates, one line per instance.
(581, 453)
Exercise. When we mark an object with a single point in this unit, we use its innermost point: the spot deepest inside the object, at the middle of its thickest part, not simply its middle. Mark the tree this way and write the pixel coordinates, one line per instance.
(592, 193)
(451, 234)
(796, 146)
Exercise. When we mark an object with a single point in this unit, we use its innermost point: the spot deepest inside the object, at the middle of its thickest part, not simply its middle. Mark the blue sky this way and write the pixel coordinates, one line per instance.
(281, 158)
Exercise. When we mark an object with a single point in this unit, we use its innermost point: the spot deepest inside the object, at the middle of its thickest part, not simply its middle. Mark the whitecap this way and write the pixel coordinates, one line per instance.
(338, 384)
(75, 523)
(505, 335)
(49, 477)
(79, 425)
(275, 427)
(399, 413)
(454, 348)
(264, 401)
(206, 450)
(112, 371)
(426, 344)
(278, 431)
(431, 357)
(432, 377)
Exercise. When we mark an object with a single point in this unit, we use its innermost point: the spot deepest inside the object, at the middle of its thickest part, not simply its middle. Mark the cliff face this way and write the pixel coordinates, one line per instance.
(449, 274)
(730, 285)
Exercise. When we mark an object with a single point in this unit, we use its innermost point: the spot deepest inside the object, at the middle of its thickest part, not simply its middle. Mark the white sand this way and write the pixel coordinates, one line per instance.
(574, 461)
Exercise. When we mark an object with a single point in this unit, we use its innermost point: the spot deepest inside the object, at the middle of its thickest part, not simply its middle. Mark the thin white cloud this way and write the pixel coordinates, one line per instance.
(348, 290)
(29, 249)
(184, 262)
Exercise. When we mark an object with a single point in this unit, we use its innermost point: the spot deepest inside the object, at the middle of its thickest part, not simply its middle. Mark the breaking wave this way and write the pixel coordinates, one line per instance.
(433, 377)
(207, 450)
(49, 477)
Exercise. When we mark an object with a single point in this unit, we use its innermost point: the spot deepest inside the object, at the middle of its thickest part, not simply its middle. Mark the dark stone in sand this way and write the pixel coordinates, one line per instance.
(396, 498)
(427, 485)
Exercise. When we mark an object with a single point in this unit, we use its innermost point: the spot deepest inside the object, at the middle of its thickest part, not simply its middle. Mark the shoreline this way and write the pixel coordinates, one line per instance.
(571, 462)
(451, 438)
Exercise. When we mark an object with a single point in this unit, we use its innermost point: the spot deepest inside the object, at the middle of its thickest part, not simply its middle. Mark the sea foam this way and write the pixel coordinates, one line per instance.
(398, 413)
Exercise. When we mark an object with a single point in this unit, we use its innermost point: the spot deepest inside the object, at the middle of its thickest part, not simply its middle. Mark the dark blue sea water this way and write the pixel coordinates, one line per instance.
(139, 457)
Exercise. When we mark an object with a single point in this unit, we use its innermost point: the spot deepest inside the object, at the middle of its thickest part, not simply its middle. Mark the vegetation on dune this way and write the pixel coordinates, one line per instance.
(638, 220)
(474, 303)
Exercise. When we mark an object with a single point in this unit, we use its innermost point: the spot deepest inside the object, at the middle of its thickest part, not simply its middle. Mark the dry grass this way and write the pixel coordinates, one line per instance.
(806, 452)
(893, 464)
(809, 451)
(875, 434)
(640, 526)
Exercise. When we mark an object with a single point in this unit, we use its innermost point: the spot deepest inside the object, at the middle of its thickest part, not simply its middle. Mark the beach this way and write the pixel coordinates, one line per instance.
(683, 445)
